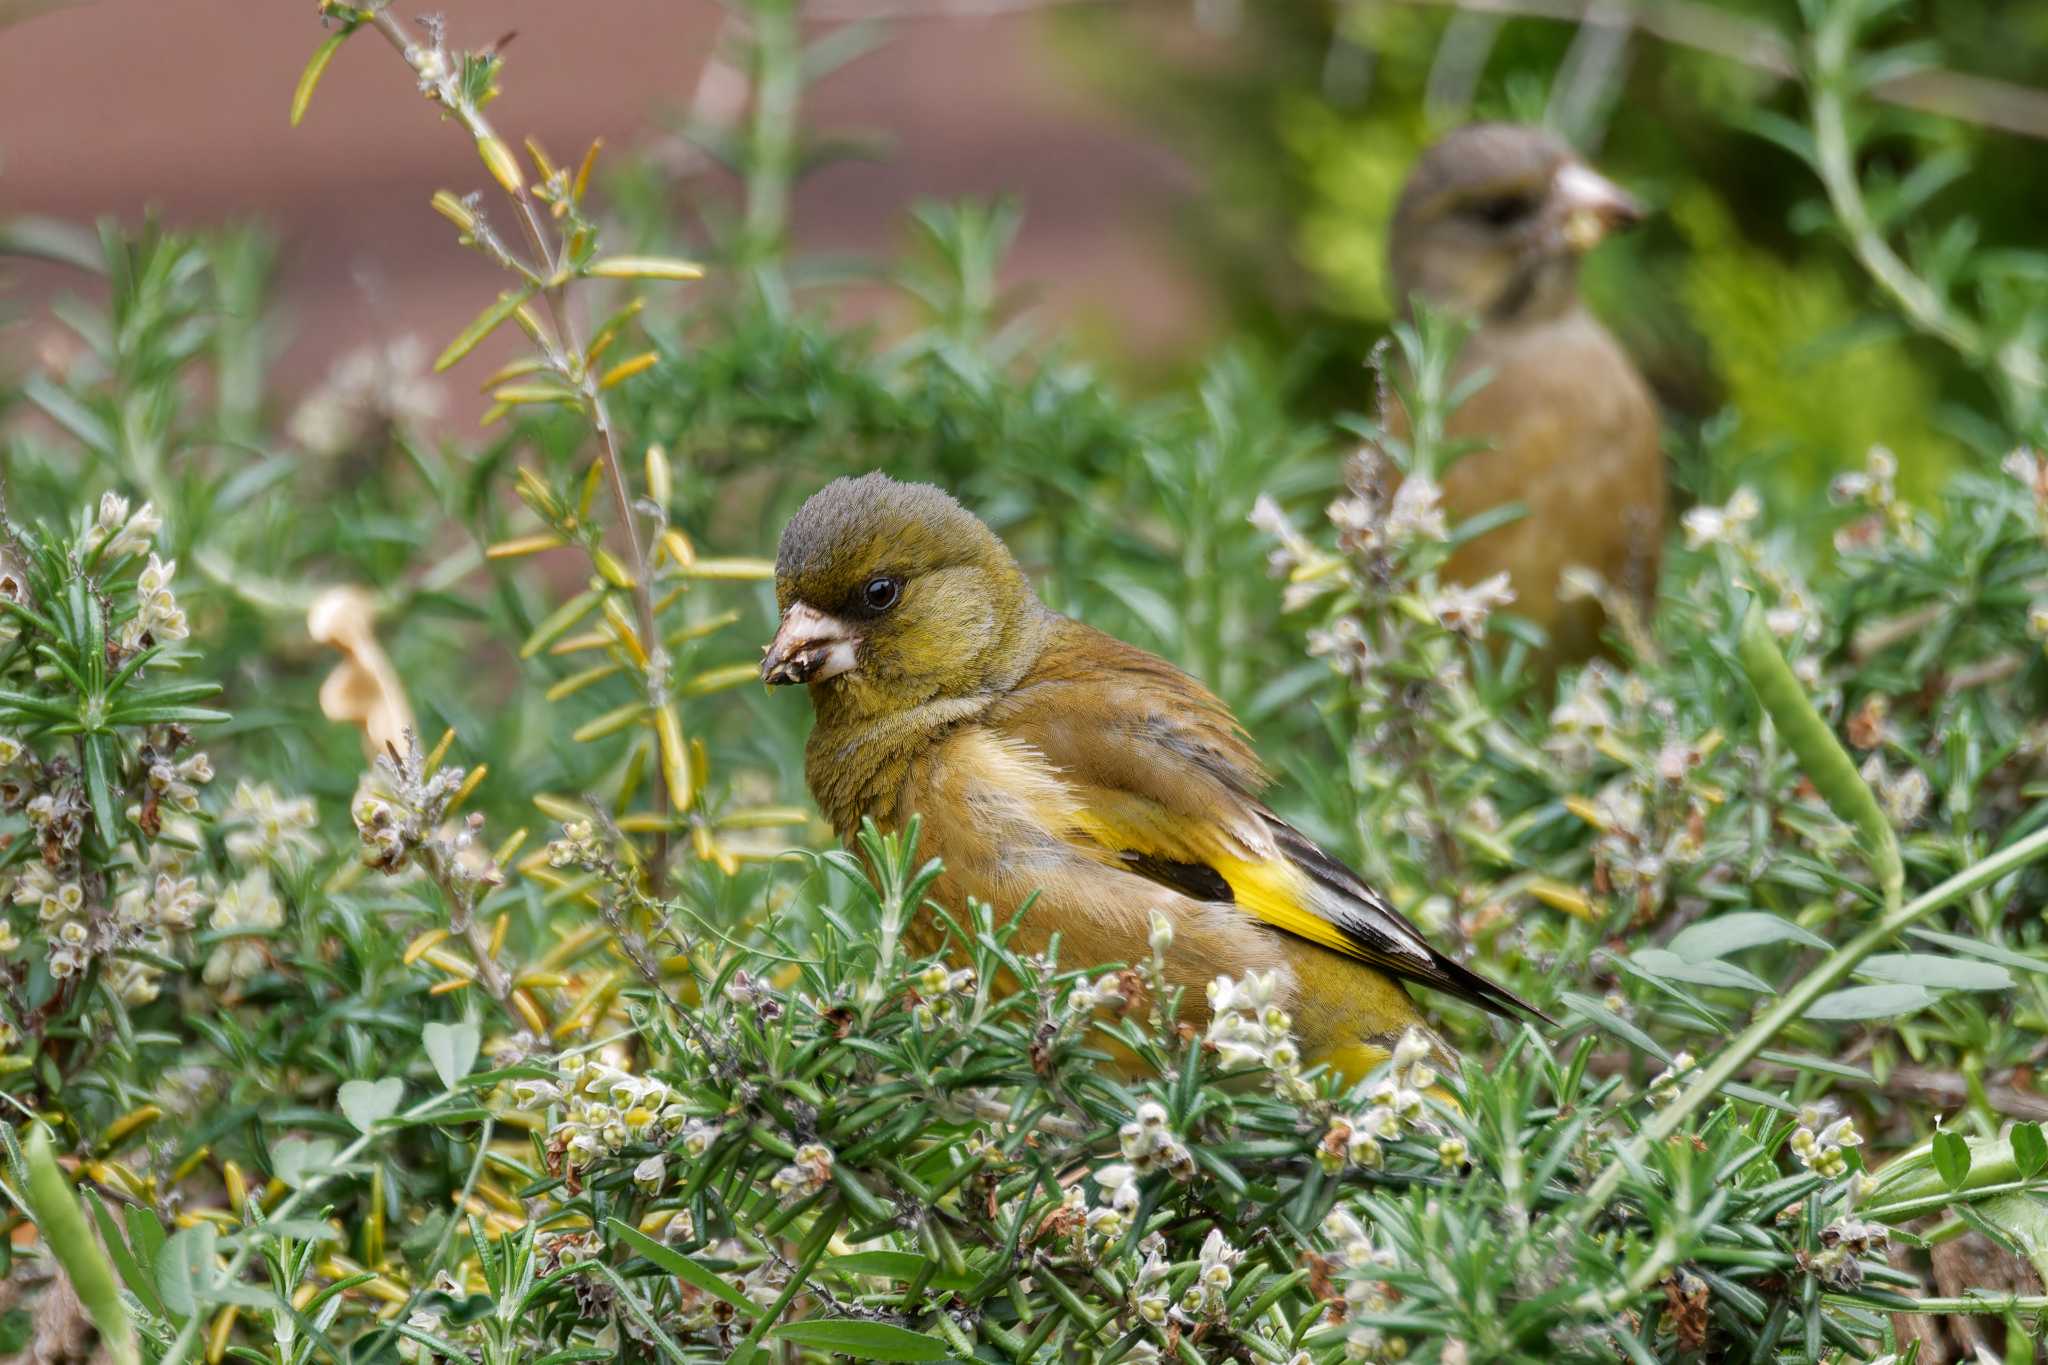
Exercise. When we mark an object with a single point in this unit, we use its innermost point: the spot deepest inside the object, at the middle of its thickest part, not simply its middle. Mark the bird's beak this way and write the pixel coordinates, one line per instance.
(1590, 205)
(809, 647)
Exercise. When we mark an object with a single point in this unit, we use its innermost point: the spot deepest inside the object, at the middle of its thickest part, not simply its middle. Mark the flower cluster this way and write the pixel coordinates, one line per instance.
(404, 815)
(1903, 794)
(1363, 1268)
(245, 911)
(1887, 519)
(1843, 1244)
(938, 990)
(1148, 1144)
(158, 619)
(1248, 1028)
(1792, 614)
(122, 916)
(1650, 818)
(399, 809)
(1465, 609)
(1822, 1151)
(263, 826)
(371, 392)
(1357, 1140)
(808, 1172)
(119, 531)
(1207, 1296)
(602, 1108)
(1664, 1086)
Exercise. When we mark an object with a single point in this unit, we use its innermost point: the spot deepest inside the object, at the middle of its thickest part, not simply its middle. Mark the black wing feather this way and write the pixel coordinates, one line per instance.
(1385, 936)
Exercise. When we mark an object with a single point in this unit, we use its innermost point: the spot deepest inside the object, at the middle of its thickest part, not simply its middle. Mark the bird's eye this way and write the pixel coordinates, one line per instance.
(880, 594)
(1501, 210)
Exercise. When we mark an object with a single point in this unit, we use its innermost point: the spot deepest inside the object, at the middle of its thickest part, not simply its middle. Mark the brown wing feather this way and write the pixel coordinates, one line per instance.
(1169, 785)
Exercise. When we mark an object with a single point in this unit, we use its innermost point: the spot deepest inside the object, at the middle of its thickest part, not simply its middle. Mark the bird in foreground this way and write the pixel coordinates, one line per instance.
(1491, 226)
(1046, 757)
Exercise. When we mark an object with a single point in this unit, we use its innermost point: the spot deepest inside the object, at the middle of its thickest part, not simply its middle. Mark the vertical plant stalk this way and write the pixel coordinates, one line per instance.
(551, 275)
(778, 89)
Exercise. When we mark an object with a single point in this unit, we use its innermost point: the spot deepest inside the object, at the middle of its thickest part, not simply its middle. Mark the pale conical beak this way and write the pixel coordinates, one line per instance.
(809, 647)
(1591, 206)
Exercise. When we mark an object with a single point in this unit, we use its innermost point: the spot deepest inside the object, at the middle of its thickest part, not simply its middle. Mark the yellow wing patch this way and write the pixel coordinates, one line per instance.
(1275, 891)
(1270, 889)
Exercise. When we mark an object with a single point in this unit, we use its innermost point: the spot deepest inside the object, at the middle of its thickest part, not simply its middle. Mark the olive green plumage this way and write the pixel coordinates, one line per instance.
(1047, 759)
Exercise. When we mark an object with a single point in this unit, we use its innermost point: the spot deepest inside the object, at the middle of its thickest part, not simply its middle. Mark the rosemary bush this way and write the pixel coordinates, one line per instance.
(538, 1040)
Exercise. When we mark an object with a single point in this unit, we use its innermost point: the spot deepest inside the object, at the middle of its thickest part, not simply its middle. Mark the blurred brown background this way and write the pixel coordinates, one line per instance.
(115, 106)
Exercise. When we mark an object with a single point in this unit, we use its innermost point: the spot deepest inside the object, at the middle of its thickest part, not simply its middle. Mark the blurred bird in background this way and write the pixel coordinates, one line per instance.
(1490, 227)
(1046, 757)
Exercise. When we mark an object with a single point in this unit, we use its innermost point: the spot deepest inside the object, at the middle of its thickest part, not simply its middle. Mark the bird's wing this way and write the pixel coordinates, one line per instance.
(1163, 782)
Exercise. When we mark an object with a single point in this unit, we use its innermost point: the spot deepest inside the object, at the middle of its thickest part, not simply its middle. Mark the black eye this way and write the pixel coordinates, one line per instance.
(1501, 210)
(880, 594)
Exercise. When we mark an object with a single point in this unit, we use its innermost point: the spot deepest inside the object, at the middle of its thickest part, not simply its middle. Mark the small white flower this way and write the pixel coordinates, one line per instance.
(1161, 934)
(1417, 511)
(1465, 609)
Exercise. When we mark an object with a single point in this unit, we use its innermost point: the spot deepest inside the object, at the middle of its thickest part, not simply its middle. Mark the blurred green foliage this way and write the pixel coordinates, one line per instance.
(1305, 118)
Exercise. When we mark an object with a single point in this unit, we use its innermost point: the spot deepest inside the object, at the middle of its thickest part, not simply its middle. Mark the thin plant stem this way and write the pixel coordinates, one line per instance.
(551, 270)
(1709, 1079)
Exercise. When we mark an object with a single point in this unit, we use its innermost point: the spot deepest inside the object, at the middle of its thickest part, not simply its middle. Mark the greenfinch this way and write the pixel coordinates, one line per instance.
(1491, 227)
(1044, 757)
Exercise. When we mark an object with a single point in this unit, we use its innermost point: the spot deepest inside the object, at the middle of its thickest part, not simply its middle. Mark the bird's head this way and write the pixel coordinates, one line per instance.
(892, 595)
(1493, 220)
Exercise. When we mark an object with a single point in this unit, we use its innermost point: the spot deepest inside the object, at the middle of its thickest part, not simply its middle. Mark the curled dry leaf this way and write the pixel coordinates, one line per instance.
(365, 690)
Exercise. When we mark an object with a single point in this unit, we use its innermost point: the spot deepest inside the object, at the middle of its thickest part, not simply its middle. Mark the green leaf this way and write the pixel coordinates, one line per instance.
(299, 1161)
(366, 1102)
(99, 786)
(864, 1340)
(899, 1265)
(16, 1330)
(674, 1262)
(42, 707)
(452, 1048)
(2023, 1218)
(180, 1266)
(166, 715)
(485, 323)
(71, 414)
(135, 1271)
(1597, 1014)
(1725, 934)
(557, 622)
(1951, 1159)
(2029, 1149)
(1936, 972)
(1990, 952)
(1707, 972)
(1871, 1002)
(310, 77)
